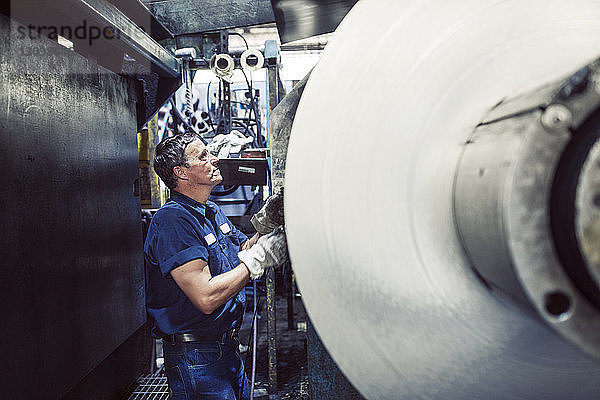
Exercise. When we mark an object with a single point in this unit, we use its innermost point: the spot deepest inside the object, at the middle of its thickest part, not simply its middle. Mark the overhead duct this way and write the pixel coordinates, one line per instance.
(423, 251)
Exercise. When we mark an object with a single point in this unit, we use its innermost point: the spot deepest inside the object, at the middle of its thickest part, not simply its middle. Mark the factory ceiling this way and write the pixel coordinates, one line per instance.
(182, 17)
(296, 19)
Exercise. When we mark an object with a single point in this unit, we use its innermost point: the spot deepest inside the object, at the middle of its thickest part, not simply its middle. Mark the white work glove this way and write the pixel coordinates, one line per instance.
(269, 251)
(270, 215)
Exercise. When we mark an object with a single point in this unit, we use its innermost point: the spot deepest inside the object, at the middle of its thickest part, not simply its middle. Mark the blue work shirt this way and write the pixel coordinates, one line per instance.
(175, 237)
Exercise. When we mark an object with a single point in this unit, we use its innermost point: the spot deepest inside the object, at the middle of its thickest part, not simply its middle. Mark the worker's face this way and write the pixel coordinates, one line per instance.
(202, 166)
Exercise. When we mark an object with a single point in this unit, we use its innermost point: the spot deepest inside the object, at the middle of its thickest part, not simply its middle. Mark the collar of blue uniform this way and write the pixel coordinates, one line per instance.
(183, 199)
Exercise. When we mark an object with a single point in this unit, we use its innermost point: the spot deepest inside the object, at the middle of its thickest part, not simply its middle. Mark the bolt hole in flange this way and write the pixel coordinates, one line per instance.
(557, 304)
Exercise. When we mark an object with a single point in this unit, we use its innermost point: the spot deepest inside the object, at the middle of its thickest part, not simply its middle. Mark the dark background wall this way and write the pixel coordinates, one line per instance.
(71, 276)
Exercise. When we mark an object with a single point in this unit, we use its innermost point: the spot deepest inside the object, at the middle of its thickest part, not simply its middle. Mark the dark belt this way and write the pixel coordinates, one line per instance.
(192, 337)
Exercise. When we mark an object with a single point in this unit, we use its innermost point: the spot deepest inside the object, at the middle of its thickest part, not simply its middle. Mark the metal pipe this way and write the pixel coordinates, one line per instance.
(254, 339)
(275, 95)
(271, 329)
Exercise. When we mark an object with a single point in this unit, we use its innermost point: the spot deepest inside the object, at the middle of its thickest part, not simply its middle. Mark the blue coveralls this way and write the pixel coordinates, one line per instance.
(181, 231)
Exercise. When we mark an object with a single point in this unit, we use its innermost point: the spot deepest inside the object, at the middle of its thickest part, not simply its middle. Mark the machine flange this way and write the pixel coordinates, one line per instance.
(515, 199)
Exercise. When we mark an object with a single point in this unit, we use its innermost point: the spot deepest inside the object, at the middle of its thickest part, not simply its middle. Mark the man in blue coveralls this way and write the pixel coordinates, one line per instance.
(196, 275)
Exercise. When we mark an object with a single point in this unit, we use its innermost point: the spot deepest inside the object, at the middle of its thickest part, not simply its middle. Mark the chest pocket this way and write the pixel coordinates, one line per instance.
(227, 237)
(224, 249)
(221, 240)
(229, 245)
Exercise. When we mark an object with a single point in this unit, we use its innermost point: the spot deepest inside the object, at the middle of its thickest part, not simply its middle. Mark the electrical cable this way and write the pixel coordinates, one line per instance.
(259, 138)
(240, 35)
(246, 117)
(254, 340)
(249, 83)
(219, 107)
(184, 121)
(231, 190)
(256, 141)
(221, 98)
(234, 188)
(208, 106)
(188, 89)
(255, 313)
(247, 111)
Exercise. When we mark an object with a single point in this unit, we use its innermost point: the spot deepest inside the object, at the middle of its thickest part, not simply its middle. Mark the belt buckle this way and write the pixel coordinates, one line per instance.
(229, 334)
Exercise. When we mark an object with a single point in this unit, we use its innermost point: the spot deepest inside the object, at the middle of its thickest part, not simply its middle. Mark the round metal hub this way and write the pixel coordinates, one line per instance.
(587, 214)
(575, 216)
(587, 217)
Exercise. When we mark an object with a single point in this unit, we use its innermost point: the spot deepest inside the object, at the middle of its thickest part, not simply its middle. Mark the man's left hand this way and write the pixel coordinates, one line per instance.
(270, 215)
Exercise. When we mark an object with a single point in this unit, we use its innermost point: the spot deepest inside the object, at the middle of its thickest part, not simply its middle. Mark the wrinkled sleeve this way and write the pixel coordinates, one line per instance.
(177, 243)
(240, 235)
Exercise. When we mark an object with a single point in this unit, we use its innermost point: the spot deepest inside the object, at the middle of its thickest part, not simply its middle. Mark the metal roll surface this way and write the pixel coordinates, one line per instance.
(369, 197)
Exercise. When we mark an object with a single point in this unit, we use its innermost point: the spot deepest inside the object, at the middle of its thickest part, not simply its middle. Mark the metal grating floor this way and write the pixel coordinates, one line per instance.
(151, 387)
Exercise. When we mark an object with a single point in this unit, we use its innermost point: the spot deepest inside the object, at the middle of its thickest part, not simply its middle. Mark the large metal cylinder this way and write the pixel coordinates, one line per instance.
(407, 266)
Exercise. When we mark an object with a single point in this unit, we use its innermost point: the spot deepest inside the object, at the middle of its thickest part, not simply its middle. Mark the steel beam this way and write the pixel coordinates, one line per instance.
(275, 94)
(183, 17)
(106, 14)
(96, 28)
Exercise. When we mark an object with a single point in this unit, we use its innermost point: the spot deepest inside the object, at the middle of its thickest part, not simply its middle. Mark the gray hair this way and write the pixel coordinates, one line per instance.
(170, 152)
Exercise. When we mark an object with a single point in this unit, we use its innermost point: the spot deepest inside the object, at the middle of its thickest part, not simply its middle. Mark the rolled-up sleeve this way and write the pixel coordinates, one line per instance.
(178, 243)
(182, 257)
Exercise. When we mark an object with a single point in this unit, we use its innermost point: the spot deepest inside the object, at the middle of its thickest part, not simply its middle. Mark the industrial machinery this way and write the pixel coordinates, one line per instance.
(79, 80)
(227, 123)
(448, 247)
(441, 179)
